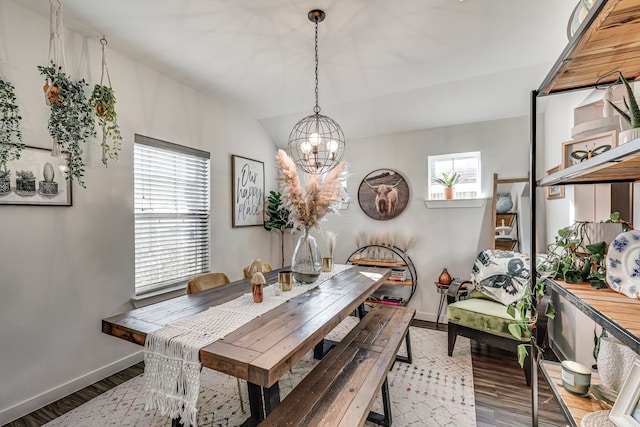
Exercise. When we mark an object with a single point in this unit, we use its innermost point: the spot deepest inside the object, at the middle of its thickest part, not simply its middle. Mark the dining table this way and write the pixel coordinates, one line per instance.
(262, 350)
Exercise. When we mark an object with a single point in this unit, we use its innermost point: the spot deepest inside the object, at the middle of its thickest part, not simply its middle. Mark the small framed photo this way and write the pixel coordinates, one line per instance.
(36, 179)
(626, 410)
(579, 150)
(247, 193)
(555, 191)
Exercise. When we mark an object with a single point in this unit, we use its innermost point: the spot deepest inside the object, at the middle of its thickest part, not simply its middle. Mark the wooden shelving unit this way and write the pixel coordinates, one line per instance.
(510, 242)
(574, 407)
(608, 39)
(376, 256)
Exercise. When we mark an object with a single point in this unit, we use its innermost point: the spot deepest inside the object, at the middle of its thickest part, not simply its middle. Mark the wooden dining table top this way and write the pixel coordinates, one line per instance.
(264, 349)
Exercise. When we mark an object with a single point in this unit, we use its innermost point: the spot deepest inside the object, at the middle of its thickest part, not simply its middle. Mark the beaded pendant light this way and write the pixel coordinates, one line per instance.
(316, 143)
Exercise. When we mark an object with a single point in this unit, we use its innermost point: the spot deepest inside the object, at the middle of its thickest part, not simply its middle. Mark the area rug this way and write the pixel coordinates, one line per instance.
(435, 390)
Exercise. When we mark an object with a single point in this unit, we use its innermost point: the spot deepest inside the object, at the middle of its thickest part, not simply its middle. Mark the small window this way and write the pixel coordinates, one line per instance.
(467, 165)
(171, 205)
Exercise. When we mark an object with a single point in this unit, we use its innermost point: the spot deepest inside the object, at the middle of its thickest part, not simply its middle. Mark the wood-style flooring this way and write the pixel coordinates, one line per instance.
(502, 396)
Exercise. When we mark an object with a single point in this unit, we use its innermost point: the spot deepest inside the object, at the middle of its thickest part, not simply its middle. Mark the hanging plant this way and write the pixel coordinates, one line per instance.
(71, 119)
(10, 134)
(103, 100)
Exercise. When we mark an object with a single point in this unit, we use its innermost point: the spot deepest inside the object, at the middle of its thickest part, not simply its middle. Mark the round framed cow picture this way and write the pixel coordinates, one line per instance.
(383, 194)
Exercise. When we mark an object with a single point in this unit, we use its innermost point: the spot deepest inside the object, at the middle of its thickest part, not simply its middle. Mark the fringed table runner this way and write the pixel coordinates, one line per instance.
(171, 356)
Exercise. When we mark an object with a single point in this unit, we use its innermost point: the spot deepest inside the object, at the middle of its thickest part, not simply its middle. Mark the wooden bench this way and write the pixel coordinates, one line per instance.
(341, 389)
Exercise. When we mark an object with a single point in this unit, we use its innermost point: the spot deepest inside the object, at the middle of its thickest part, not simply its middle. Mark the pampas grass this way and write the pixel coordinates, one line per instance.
(321, 195)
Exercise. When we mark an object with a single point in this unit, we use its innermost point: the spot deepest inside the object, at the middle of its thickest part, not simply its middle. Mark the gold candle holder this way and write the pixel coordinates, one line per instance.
(327, 264)
(285, 278)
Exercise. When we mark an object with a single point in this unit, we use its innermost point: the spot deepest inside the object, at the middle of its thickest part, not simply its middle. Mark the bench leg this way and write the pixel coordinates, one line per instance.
(262, 400)
(409, 357)
(385, 418)
(361, 311)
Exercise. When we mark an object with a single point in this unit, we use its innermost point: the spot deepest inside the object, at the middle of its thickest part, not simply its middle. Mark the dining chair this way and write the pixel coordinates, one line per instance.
(206, 281)
(210, 281)
(256, 266)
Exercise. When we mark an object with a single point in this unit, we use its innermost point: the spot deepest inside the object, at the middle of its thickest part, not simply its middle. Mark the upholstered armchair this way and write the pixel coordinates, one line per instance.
(499, 278)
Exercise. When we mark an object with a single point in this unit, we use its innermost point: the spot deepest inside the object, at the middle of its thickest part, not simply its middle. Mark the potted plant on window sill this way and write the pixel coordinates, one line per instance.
(448, 181)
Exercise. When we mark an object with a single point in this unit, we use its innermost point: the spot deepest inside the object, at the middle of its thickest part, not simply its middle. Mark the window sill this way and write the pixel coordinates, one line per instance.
(159, 295)
(455, 203)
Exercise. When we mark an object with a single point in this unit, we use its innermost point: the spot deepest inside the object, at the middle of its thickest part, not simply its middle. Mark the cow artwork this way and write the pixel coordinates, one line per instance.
(383, 194)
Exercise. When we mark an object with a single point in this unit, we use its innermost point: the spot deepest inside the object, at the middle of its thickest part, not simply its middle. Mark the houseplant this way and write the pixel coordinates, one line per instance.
(103, 100)
(448, 181)
(10, 134)
(71, 118)
(631, 116)
(278, 218)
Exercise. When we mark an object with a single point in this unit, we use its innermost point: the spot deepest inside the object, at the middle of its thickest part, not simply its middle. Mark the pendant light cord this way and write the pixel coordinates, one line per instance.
(316, 109)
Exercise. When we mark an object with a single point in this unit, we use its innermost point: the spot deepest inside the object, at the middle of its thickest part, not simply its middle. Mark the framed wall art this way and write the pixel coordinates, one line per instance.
(555, 191)
(36, 179)
(383, 194)
(247, 177)
(626, 410)
(579, 150)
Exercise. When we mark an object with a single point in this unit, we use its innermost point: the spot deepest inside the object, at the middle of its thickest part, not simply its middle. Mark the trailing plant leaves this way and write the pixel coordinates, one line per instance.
(71, 120)
(515, 330)
(551, 310)
(522, 354)
(598, 284)
(103, 101)
(573, 276)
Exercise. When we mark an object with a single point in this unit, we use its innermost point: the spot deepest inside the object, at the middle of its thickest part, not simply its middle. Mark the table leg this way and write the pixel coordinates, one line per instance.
(262, 400)
(440, 307)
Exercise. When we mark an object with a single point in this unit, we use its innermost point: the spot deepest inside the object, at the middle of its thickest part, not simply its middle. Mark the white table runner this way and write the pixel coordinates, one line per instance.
(172, 362)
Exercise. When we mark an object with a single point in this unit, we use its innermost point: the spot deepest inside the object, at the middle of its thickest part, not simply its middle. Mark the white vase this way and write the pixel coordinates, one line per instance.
(628, 135)
(615, 361)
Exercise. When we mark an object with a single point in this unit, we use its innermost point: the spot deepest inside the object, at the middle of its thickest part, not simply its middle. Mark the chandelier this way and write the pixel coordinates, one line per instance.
(316, 143)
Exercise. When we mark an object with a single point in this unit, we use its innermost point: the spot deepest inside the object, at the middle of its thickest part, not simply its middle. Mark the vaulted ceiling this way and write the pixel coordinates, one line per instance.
(386, 66)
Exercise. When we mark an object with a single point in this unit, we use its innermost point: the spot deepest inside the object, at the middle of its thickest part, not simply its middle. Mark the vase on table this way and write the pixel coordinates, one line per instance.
(306, 262)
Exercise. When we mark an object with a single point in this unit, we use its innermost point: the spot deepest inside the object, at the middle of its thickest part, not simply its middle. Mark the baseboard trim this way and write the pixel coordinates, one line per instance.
(43, 399)
(431, 317)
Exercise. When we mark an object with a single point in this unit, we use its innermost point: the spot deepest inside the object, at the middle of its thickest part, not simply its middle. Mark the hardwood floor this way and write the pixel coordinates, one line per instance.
(502, 396)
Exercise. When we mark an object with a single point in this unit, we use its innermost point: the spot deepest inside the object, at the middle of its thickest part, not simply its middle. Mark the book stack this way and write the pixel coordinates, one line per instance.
(398, 274)
(388, 300)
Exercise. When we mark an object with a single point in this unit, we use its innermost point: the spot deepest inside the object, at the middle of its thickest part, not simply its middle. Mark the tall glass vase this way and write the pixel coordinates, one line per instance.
(306, 262)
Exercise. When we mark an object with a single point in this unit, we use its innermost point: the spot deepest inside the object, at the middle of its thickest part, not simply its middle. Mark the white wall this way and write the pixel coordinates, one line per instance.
(63, 269)
(450, 237)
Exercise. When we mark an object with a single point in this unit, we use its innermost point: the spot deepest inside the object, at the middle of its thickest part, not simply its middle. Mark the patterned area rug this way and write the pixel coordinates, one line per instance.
(436, 390)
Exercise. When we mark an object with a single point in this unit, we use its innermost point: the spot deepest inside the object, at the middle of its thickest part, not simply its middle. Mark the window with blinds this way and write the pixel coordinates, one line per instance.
(171, 213)
(466, 164)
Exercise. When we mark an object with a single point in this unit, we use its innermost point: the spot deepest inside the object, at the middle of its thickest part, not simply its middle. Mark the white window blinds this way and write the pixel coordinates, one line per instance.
(171, 213)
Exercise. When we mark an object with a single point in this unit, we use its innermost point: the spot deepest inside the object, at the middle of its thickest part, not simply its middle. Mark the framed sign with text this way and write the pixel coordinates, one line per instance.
(247, 177)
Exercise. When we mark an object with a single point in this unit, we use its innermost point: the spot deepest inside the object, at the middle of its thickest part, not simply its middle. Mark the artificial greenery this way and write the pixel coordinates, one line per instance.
(103, 100)
(10, 134)
(4, 173)
(71, 119)
(278, 218)
(448, 179)
(632, 115)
